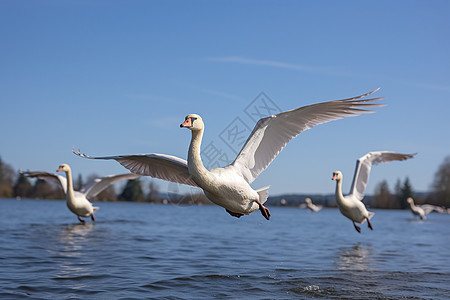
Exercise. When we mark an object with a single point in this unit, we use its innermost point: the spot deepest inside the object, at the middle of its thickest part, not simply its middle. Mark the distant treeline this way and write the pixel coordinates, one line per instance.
(13, 184)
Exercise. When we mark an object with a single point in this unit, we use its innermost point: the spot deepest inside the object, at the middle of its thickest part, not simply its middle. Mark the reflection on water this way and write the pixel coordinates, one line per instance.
(73, 240)
(75, 232)
(355, 258)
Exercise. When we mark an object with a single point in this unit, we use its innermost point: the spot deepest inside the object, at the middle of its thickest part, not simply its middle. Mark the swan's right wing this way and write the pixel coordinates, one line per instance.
(364, 165)
(428, 208)
(101, 184)
(161, 166)
(271, 134)
(61, 181)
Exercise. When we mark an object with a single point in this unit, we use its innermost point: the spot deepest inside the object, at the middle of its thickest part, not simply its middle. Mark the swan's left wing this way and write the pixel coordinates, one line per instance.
(101, 184)
(271, 134)
(364, 165)
(61, 181)
(161, 166)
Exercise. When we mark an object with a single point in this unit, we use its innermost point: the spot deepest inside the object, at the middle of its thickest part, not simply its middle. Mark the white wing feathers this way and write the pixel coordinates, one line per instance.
(271, 134)
(364, 165)
(60, 180)
(155, 165)
(101, 184)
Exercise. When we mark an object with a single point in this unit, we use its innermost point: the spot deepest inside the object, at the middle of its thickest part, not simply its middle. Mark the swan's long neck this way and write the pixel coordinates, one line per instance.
(70, 196)
(195, 165)
(341, 201)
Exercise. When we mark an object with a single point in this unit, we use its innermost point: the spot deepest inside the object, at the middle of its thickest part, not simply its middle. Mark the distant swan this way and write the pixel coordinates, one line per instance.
(311, 206)
(230, 187)
(416, 210)
(77, 201)
(351, 205)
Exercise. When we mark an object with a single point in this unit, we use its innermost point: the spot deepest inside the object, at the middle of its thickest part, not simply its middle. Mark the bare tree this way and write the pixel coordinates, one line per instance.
(441, 184)
(153, 193)
(23, 187)
(6, 180)
(383, 198)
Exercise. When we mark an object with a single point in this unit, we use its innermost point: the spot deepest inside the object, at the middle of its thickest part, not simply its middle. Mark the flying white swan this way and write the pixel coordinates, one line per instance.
(311, 206)
(351, 205)
(230, 187)
(77, 201)
(416, 210)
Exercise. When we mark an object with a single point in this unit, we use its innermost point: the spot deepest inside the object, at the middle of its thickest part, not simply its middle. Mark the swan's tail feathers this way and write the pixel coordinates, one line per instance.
(96, 208)
(263, 194)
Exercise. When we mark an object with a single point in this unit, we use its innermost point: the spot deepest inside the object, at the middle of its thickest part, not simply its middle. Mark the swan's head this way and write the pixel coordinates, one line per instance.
(64, 168)
(410, 200)
(193, 122)
(308, 201)
(337, 175)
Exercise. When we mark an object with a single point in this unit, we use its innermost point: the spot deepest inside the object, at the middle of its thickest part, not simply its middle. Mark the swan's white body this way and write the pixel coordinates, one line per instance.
(77, 201)
(351, 205)
(221, 185)
(230, 187)
(416, 210)
(311, 206)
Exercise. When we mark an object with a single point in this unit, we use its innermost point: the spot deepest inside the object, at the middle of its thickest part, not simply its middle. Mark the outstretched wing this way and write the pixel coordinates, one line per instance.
(271, 134)
(101, 184)
(363, 166)
(161, 166)
(428, 208)
(58, 179)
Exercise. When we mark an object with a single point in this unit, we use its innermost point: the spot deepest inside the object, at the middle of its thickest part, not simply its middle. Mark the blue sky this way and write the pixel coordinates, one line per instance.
(118, 77)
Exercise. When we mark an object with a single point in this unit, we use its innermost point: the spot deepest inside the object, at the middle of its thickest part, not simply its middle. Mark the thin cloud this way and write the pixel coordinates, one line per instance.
(270, 63)
(429, 86)
(222, 95)
(164, 123)
(316, 69)
(149, 97)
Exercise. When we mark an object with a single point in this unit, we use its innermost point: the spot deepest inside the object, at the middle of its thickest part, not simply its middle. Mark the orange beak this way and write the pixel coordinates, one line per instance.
(59, 170)
(334, 176)
(187, 123)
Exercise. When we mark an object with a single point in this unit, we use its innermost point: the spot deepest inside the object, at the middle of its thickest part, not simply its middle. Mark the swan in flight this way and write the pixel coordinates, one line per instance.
(77, 201)
(351, 205)
(311, 206)
(230, 187)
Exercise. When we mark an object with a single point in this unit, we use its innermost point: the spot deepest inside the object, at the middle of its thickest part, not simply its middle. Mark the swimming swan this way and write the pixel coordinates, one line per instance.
(77, 201)
(230, 187)
(351, 205)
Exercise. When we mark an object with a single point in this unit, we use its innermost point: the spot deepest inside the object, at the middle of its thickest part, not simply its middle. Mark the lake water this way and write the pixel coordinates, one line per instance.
(146, 251)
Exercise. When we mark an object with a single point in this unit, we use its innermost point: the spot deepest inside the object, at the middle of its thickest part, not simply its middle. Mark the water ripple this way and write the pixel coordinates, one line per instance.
(160, 253)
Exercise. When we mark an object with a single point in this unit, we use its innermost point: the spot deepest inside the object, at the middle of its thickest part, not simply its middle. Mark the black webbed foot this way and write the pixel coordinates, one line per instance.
(357, 227)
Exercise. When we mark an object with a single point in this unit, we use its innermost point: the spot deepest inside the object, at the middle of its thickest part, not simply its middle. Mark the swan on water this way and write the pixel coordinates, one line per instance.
(416, 210)
(425, 209)
(77, 201)
(230, 187)
(311, 206)
(351, 205)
